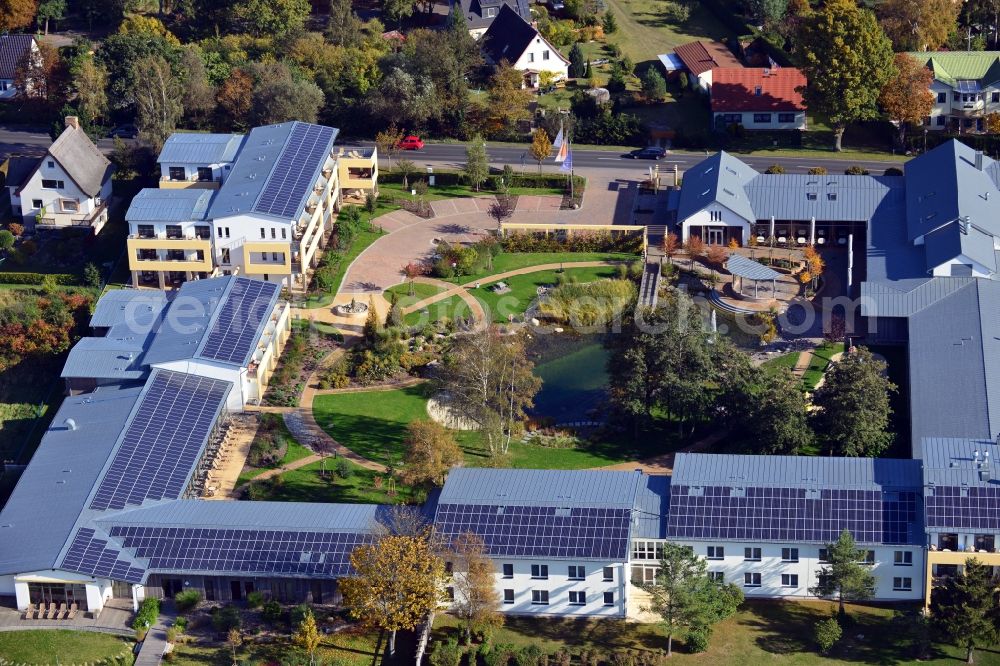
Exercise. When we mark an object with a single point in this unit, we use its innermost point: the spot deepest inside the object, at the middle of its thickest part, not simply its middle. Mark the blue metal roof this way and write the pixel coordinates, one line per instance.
(42, 511)
(106, 358)
(187, 319)
(203, 149)
(719, 178)
(652, 503)
(255, 167)
(182, 205)
(743, 267)
(836, 198)
(141, 306)
(536, 487)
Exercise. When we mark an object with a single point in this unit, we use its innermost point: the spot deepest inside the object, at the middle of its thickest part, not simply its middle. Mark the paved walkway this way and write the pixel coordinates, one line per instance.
(475, 307)
(115, 618)
(151, 652)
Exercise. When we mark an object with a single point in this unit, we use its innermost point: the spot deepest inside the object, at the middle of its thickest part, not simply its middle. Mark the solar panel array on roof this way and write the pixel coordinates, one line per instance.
(293, 172)
(792, 514)
(277, 552)
(963, 507)
(90, 555)
(540, 531)
(163, 440)
(234, 332)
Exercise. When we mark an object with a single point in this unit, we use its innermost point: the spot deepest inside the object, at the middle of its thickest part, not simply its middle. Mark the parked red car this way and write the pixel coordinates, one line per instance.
(411, 143)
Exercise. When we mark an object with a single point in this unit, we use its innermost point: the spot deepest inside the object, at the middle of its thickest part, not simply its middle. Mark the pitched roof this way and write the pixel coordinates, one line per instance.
(721, 178)
(256, 166)
(474, 11)
(757, 89)
(12, 48)
(196, 148)
(537, 487)
(122, 305)
(153, 204)
(19, 169)
(507, 37)
(80, 158)
(701, 56)
(952, 66)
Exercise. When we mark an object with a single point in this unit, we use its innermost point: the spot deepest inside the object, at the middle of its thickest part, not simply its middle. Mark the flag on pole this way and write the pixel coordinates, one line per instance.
(567, 163)
(559, 139)
(563, 151)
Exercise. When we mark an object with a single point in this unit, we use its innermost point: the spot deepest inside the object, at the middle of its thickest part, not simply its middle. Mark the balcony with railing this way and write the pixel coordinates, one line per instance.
(169, 254)
(194, 181)
(95, 218)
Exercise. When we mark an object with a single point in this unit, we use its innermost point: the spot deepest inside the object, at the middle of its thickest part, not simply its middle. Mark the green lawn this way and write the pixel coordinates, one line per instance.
(510, 261)
(443, 310)
(458, 190)
(524, 290)
(318, 482)
(643, 32)
(294, 451)
(60, 646)
(819, 362)
(345, 648)
(763, 632)
(421, 290)
(787, 361)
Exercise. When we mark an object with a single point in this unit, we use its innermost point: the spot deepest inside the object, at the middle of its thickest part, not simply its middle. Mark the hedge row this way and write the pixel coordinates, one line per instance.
(521, 178)
(149, 612)
(594, 241)
(64, 279)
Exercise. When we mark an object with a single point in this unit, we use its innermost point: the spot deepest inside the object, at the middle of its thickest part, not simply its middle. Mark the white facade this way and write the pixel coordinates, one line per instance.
(193, 173)
(715, 215)
(53, 199)
(540, 56)
(763, 120)
(967, 109)
(567, 588)
(8, 91)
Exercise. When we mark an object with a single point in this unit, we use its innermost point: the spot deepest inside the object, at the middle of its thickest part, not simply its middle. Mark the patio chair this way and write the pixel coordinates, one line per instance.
(29, 612)
(62, 612)
(50, 614)
(72, 611)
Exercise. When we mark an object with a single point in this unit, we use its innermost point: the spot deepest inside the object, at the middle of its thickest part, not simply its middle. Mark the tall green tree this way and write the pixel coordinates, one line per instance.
(847, 60)
(397, 10)
(275, 18)
(477, 164)
(50, 10)
(199, 93)
(16, 14)
(964, 609)
(654, 86)
(158, 100)
(279, 96)
(577, 63)
(853, 406)
(919, 25)
(685, 598)
(768, 12)
(845, 574)
(90, 81)
(344, 26)
(405, 99)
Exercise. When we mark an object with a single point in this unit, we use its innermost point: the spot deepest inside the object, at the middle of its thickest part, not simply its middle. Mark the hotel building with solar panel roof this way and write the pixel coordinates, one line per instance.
(259, 205)
(110, 505)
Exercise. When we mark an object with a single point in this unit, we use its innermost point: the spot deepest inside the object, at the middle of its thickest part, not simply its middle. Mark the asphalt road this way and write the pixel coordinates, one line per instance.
(452, 155)
(34, 141)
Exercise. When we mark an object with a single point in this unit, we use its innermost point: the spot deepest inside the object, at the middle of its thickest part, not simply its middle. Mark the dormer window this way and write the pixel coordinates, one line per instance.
(832, 196)
(758, 91)
(491, 12)
(811, 196)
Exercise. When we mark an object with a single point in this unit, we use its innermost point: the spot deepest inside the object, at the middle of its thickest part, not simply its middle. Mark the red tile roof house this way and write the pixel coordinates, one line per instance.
(700, 59)
(758, 98)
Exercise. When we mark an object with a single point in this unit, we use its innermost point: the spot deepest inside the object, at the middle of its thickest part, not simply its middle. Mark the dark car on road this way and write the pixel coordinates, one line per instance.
(125, 132)
(650, 153)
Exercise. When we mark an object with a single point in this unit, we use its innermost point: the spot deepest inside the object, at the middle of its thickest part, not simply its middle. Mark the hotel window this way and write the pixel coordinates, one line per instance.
(942, 98)
(789, 554)
(716, 552)
(225, 256)
(789, 580)
(786, 117)
(717, 576)
(609, 574)
(995, 97)
(274, 233)
(145, 231)
(763, 118)
(284, 234)
(50, 184)
(609, 598)
(540, 597)
(751, 554)
(540, 571)
(508, 570)
(824, 555)
(577, 573)
(751, 580)
(869, 557)
(577, 598)
(203, 232)
(263, 232)
(903, 558)
(901, 584)
(274, 257)
(508, 596)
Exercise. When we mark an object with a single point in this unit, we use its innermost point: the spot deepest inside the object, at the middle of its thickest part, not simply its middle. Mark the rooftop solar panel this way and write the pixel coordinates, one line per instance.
(234, 332)
(792, 514)
(963, 508)
(293, 173)
(540, 531)
(274, 552)
(163, 440)
(89, 555)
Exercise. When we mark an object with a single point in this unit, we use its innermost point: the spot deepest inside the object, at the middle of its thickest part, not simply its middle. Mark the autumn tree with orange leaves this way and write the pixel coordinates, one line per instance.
(907, 99)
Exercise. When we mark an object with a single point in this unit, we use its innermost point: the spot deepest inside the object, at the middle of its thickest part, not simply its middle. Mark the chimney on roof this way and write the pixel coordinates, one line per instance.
(979, 160)
(70, 424)
(73, 121)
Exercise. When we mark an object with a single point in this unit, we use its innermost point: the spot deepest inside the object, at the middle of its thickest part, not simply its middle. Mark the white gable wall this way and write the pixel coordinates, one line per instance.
(715, 215)
(540, 56)
(34, 196)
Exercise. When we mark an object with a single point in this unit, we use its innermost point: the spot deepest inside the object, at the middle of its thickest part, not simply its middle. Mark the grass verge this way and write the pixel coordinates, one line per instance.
(524, 290)
(60, 646)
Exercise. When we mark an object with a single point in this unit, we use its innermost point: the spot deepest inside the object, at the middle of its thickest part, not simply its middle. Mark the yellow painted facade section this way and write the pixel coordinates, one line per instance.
(953, 557)
(345, 162)
(167, 184)
(186, 244)
(267, 267)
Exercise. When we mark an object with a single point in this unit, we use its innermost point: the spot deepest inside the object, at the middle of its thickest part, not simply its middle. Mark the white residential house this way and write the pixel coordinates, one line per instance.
(513, 40)
(13, 49)
(70, 186)
(965, 88)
